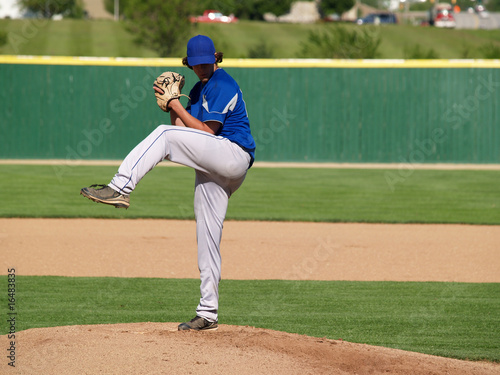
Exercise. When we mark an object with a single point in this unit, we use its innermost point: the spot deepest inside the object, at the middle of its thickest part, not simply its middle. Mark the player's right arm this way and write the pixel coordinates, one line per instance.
(181, 117)
(175, 119)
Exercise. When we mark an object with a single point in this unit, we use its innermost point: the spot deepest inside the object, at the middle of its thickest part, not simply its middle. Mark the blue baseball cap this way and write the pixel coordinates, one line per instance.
(200, 50)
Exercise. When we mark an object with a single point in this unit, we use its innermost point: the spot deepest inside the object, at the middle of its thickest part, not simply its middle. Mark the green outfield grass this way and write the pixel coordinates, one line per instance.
(298, 194)
(458, 320)
(109, 38)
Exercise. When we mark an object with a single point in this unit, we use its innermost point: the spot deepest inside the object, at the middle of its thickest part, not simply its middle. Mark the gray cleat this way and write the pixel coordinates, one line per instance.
(198, 324)
(104, 194)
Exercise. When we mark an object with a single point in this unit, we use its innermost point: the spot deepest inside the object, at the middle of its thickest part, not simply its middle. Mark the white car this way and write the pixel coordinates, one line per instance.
(481, 11)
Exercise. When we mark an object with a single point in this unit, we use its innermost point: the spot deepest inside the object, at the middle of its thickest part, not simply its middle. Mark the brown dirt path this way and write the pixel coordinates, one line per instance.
(250, 250)
(253, 250)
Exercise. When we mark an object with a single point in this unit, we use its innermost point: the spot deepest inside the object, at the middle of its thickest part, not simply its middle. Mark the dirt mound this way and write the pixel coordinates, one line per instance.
(158, 348)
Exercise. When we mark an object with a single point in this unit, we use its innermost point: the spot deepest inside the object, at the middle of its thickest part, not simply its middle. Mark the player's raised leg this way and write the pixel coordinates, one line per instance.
(193, 148)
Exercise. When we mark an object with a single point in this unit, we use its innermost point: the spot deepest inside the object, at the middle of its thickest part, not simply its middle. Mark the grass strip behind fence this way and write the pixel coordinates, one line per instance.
(70, 37)
(287, 194)
(458, 320)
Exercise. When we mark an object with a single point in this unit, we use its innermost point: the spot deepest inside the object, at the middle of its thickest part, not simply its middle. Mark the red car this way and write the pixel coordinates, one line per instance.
(214, 16)
(441, 15)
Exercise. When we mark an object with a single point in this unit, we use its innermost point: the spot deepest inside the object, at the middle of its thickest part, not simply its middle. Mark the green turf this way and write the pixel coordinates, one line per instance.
(109, 38)
(457, 320)
(298, 194)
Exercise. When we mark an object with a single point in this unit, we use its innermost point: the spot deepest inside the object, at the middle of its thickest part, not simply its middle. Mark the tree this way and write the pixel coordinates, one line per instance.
(249, 9)
(493, 5)
(48, 8)
(164, 26)
(123, 5)
(257, 8)
(327, 7)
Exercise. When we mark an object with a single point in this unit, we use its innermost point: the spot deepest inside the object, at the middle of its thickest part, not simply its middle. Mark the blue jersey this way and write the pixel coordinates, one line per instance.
(221, 100)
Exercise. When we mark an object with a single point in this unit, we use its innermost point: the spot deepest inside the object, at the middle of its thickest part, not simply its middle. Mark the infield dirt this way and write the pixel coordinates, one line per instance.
(250, 250)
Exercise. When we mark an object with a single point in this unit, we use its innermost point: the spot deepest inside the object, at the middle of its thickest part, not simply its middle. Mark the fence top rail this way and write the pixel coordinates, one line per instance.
(251, 63)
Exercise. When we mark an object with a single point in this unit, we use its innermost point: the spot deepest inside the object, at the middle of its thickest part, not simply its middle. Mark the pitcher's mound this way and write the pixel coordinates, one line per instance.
(158, 348)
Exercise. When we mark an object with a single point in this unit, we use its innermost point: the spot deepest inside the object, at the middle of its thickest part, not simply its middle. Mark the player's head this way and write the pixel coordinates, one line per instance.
(201, 50)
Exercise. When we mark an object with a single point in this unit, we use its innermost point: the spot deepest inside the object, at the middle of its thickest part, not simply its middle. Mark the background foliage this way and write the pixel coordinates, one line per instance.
(243, 9)
(327, 7)
(341, 43)
(161, 25)
(249, 9)
(44, 8)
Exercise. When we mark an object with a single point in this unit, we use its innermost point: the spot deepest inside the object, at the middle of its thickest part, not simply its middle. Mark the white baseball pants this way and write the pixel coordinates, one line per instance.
(220, 166)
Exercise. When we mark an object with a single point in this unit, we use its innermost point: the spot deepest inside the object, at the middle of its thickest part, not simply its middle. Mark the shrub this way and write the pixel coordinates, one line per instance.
(261, 50)
(340, 43)
(490, 51)
(418, 52)
(3, 38)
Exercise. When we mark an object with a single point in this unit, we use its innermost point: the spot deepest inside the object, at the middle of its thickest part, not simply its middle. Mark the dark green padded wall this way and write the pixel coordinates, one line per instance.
(364, 115)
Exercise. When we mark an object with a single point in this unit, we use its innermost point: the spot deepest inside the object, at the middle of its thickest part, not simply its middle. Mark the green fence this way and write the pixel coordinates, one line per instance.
(304, 114)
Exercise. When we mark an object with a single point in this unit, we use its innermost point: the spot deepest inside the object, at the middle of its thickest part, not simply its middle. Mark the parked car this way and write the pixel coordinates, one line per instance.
(481, 11)
(377, 19)
(441, 15)
(214, 16)
(334, 17)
